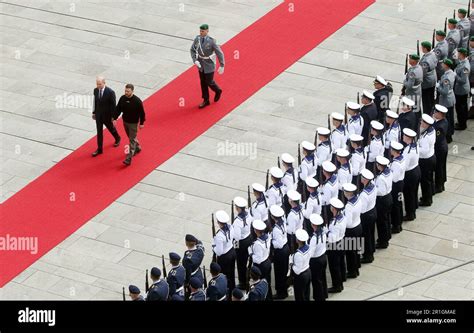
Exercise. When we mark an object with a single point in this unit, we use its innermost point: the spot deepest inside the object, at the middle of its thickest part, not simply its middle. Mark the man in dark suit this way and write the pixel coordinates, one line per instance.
(383, 95)
(104, 110)
(369, 112)
(406, 116)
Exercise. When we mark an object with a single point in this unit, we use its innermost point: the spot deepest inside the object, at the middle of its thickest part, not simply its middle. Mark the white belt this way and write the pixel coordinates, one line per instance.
(179, 289)
(195, 271)
(414, 87)
(222, 298)
(200, 56)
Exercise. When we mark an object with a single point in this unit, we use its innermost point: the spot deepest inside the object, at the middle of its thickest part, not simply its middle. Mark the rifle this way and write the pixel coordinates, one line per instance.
(249, 267)
(214, 256)
(205, 277)
(359, 184)
(147, 286)
(454, 13)
(406, 64)
(358, 97)
(299, 154)
(329, 122)
(345, 114)
(164, 267)
(266, 182)
(316, 138)
(433, 40)
(249, 202)
(469, 8)
(418, 47)
(123, 293)
(278, 161)
(232, 215)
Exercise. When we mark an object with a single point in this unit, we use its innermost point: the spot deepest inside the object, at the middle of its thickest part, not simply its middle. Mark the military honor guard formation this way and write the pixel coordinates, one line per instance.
(344, 195)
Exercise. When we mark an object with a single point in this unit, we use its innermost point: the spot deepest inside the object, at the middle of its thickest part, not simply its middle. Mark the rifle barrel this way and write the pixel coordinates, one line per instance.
(123, 293)
(147, 285)
(165, 274)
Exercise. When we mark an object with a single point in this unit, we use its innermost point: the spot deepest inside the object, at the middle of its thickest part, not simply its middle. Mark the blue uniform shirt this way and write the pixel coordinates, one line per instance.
(192, 260)
(198, 296)
(217, 289)
(258, 291)
(159, 291)
(175, 280)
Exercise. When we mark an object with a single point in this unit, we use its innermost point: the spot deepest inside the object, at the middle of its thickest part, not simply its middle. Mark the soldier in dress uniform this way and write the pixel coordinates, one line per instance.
(259, 208)
(312, 204)
(134, 293)
(383, 182)
(294, 220)
(202, 51)
(471, 77)
(192, 259)
(335, 246)
(447, 98)
(318, 261)
(290, 178)
(412, 83)
(223, 247)
(176, 277)
(368, 216)
(281, 250)
(159, 290)
(412, 174)
(197, 294)
(358, 157)
(259, 252)
(441, 147)
(462, 88)
(329, 189)
(427, 159)
(217, 289)
(393, 131)
(383, 95)
(464, 26)
(441, 51)
(376, 144)
(356, 122)
(344, 172)
(339, 133)
(352, 212)
(242, 239)
(428, 62)
(277, 191)
(398, 175)
(369, 112)
(300, 267)
(453, 38)
(471, 19)
(324, 151)
(406, 118)
(308, 166)
(259, 286)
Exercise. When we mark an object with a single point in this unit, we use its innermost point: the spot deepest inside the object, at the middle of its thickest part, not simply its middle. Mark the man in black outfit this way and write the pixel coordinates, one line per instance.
(104, 109)
(133, 114)
(383, 95)
(406, 117)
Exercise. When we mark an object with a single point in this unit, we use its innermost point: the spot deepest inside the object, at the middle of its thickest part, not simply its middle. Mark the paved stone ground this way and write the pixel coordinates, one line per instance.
(52, 48)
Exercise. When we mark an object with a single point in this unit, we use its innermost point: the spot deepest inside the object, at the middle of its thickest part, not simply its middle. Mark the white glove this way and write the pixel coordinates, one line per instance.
(198, 64)
(221, 70)
(437, 85)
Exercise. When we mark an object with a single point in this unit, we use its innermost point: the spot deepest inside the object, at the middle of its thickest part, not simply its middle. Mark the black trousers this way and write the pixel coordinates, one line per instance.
(384, 207)
(427, 98)
(100, 121)
(266, 269)
(427, 167)
(207, 81)
(291, 242)
(280, 264)
(227, 263)
(396, 213)
(440, 169)
(367, 220)
(318, 277)
(410, 191)
(450, 118)
(302, 285)
(337, 264)
(242, 256)
(352, 253)
(462, 110)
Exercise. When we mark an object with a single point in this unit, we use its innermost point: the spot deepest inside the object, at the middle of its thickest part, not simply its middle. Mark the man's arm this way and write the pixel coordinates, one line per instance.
(219, 54)
(141, 111)
(118, 110)
(193, 50)
(113, 102)
(95, 101)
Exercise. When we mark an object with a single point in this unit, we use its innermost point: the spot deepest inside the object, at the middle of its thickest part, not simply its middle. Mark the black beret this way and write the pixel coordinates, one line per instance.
(191, 238)
(255, 270)
(237, 293)
(133, 289)
(174, 256)
(195, 283)
(155, 271)
(215, 267)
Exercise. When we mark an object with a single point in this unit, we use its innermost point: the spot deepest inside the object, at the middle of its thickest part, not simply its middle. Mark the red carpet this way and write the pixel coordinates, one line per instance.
(270, 45)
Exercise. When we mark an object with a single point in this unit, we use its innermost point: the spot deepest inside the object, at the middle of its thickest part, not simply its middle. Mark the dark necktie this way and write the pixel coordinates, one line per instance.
(100, 93)
(202, 40)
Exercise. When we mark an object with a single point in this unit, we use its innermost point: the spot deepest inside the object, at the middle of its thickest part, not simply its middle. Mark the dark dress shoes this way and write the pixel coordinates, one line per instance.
(117, 142)
(204, 104)
(218, 95)
(97, 152)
